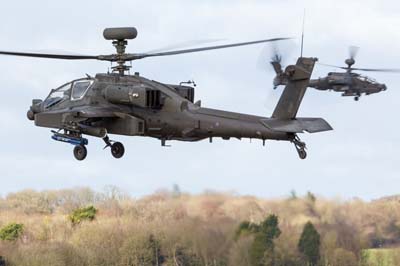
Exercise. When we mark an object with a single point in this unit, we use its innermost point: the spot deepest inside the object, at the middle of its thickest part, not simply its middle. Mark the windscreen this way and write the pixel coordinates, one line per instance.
(58, 95)
(79, 89)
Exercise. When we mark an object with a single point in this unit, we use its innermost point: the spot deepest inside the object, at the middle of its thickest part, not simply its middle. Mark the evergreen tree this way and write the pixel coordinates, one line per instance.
(309, 244)
(262, 250)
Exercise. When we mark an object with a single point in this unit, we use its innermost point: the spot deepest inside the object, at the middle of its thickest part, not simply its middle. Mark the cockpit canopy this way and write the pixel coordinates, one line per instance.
(73, 91)
(368, 79)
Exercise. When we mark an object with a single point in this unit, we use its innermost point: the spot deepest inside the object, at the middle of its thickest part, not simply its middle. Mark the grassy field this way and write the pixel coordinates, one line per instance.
(381, 257)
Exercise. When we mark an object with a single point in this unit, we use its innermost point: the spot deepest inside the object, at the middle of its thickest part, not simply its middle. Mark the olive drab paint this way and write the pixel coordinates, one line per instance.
(132, 105)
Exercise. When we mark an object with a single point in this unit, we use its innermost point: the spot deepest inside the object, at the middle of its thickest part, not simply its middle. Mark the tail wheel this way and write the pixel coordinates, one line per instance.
(302, 154)
(80, 152)
(300, 147)
(117, 150)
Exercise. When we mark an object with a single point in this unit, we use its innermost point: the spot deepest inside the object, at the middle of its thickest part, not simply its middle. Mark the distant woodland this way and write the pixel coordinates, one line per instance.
(170, 228)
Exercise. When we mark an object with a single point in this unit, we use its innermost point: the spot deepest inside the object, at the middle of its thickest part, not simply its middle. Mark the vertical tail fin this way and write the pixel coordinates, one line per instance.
(298, 80)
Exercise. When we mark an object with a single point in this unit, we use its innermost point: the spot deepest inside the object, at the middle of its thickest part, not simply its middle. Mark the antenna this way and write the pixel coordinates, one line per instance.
(302, 34)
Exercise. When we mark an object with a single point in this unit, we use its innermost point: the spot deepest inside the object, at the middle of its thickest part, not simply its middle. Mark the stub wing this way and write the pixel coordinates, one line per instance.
(298, 125)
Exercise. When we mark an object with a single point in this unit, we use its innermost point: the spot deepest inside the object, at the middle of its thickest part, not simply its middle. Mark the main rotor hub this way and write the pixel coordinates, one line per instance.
(350, 62)
(119, 36)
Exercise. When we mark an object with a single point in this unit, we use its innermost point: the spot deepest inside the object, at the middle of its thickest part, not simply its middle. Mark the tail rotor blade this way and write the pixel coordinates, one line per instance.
(353, 51)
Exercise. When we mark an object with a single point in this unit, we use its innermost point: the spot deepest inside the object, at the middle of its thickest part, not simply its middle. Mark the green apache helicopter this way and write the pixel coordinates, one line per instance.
(122, 104)
(348, 83)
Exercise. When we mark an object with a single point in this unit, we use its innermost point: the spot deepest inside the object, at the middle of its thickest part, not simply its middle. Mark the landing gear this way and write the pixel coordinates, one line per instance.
(117, 148)
(300, 147)
(356, 98)
(302, 154)
(80, 152)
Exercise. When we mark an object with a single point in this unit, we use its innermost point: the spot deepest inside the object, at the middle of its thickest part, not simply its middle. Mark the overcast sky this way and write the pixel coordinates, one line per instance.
(358, 159)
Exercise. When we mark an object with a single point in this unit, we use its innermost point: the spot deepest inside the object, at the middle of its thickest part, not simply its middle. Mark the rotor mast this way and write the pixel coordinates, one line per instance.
(119, 36)
(121, 67)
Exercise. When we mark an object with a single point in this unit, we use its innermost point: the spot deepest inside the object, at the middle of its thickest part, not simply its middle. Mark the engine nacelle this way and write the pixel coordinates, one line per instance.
(185, 91)
(134, 95)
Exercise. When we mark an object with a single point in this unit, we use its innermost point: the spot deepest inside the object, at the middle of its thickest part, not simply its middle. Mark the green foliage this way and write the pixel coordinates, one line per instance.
(262, 249)
(258, 248)
(270, 227)
(246, 228)
(82, 214)
(11, 231)
(382, 257)
(309, 244)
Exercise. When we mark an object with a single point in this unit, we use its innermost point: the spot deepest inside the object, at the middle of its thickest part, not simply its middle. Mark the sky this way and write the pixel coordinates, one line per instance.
(359, 158)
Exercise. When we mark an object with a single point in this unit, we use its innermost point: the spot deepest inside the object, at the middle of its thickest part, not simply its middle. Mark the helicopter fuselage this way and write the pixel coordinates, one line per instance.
(134, 105)
(350, 84)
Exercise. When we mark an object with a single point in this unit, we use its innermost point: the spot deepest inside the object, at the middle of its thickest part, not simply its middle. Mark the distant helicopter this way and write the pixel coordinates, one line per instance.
(117, 103)
(348, 83)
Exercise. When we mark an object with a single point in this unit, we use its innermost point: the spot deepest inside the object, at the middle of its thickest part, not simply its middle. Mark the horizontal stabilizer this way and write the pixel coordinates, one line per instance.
(298, 125)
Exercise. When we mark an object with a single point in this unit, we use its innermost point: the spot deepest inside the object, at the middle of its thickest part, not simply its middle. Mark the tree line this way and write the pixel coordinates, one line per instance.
(85, 227)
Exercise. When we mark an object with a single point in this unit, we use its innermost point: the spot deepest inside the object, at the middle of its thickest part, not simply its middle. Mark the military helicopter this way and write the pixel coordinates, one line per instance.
(348, 83)
(123, 104)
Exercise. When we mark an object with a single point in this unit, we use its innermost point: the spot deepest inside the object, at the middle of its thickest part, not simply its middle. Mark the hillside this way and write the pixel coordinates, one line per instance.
(174, 228)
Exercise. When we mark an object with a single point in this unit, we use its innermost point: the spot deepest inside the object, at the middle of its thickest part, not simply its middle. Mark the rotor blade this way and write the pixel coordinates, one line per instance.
(328, 65)
(194, 50)
(392, 70)
(353, 50)
(276, 55)
(183, 45)
(49, 55)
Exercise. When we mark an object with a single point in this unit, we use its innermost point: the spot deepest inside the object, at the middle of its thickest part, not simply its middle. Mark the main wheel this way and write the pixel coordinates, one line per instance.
(117, 150)
(302, 154)
(80, 152)
(356, 98)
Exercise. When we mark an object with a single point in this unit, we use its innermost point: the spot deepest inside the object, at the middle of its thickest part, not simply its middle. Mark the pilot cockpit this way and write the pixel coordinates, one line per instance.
(71, 91)
(368, 79)
(79, 89)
